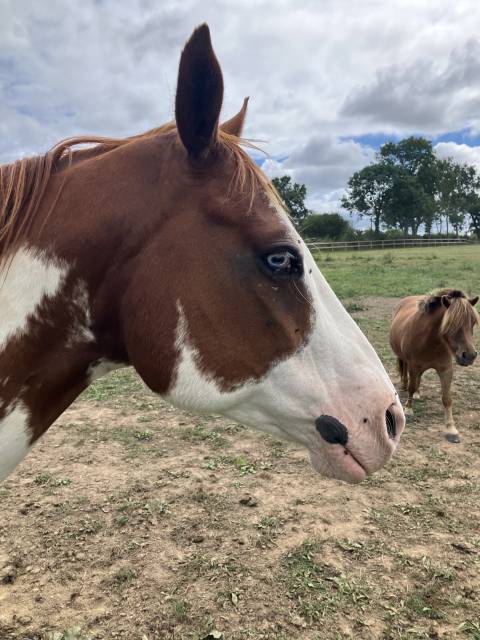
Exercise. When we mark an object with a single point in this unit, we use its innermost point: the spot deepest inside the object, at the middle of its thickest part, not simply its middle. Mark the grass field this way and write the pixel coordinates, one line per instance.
(401, 272)
(134, 521)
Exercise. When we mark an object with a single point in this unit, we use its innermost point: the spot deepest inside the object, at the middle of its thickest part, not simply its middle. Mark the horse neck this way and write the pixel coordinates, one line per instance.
(46, 342)
(50, 300)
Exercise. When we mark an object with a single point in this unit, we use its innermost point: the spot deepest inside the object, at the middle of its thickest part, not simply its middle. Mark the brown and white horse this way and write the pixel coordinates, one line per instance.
(171, 251)
(426, 333)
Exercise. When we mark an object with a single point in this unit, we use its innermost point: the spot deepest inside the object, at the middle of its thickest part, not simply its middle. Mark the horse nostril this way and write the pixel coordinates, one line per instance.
(332, 430)
(391, 424)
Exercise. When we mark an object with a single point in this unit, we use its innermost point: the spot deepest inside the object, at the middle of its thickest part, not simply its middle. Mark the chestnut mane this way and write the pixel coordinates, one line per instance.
(23, 183)
(457, 315)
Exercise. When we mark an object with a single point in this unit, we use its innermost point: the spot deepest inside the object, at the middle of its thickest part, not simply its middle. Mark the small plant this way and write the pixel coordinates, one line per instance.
(123, 576)
(46, 479)
(143, 435)
(244, 465)
(157, 506)
(471, 628)
(43, 479)
(121, 520)
(88, 527)
(181, 609)
(355, 307)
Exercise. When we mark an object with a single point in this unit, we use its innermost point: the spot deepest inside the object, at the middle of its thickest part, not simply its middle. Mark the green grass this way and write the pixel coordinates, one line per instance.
(401, 272)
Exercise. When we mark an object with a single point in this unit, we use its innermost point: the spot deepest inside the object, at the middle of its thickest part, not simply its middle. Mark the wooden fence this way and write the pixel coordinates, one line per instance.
(394, 243)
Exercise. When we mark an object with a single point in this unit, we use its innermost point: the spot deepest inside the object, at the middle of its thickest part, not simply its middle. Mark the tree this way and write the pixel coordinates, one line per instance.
(325, 225)
(416, 158)
(367, 192)
(407, 205)
(457, 193)
(470, 184)
(449, 195)
(293, 195)
(473, 209)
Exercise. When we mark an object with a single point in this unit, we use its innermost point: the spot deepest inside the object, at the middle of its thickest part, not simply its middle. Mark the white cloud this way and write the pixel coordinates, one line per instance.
(461, 153)
(324, 164)
(315, 71)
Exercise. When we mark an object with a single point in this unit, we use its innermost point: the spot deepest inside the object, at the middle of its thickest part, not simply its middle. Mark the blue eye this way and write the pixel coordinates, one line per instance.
(284, 262)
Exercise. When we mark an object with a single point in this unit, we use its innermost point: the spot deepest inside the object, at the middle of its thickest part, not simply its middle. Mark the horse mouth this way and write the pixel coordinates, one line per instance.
(336, 461)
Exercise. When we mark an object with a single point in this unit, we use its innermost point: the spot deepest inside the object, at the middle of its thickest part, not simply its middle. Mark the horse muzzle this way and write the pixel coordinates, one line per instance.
(466, 358)
(351, 453)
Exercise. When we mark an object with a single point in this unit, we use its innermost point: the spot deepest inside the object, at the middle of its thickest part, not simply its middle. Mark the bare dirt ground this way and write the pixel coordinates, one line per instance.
(134, 521)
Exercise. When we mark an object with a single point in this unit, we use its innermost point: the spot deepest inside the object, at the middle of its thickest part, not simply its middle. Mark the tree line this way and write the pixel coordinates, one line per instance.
(406, 188)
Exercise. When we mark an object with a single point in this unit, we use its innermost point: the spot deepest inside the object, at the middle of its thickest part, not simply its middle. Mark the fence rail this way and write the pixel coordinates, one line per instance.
(394, 243)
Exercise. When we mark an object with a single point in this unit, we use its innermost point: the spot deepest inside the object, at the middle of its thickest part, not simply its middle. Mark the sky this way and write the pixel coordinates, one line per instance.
(329, 81)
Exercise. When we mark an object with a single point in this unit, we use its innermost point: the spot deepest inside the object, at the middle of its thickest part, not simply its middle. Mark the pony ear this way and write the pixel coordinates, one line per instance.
(234, 126)
(446, 301)
(473, 301)
(199, 93)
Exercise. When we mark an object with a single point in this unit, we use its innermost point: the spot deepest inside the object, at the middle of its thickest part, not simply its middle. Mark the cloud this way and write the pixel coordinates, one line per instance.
(324, 164)
(317, 73)
(461, 153)
(421, 96)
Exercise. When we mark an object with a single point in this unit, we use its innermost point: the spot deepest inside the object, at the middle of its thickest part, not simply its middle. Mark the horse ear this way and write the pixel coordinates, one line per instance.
(199, 93)
(446, 301)
(234, 126)
(473, 301)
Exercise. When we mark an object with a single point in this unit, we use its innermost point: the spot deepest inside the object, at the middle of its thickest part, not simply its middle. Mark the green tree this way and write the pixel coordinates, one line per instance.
(416, 158)
(293, 195)
(367, 192)
(449, 197)
(407, 205)
(470, 185)
(326, 225)
(457, 193)
(473, 209)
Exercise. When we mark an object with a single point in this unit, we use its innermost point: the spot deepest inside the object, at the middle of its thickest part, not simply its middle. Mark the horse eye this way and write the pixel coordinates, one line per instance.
(285, 262)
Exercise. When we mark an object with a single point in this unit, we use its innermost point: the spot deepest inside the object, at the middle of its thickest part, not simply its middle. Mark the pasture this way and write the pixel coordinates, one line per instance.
(131, 520)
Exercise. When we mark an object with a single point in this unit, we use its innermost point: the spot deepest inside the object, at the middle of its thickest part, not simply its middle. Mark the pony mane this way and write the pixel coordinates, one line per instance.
(23, 183)
(458, 314)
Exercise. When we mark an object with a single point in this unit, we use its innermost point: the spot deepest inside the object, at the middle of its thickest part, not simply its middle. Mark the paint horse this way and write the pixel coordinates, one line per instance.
(426, 332)
(171, 251)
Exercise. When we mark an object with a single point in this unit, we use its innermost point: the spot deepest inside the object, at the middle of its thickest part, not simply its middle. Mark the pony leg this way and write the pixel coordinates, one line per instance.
(451, 432)
(416, 393)
(413, 384)
(403, 371)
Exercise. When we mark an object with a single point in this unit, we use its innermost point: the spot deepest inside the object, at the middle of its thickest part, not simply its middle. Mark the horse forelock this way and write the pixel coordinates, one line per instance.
(459, 314)
(23, 183)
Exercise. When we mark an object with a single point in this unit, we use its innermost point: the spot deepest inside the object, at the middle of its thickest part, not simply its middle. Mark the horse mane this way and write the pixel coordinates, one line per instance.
(23, 183)
(457, 315)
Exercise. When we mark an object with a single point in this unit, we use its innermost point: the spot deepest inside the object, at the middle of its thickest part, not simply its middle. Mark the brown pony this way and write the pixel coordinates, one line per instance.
(172, 252)
(426, 332)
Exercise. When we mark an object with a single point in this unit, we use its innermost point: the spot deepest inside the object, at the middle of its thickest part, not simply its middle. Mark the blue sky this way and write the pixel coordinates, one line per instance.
(376, 140)
(328, 82)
